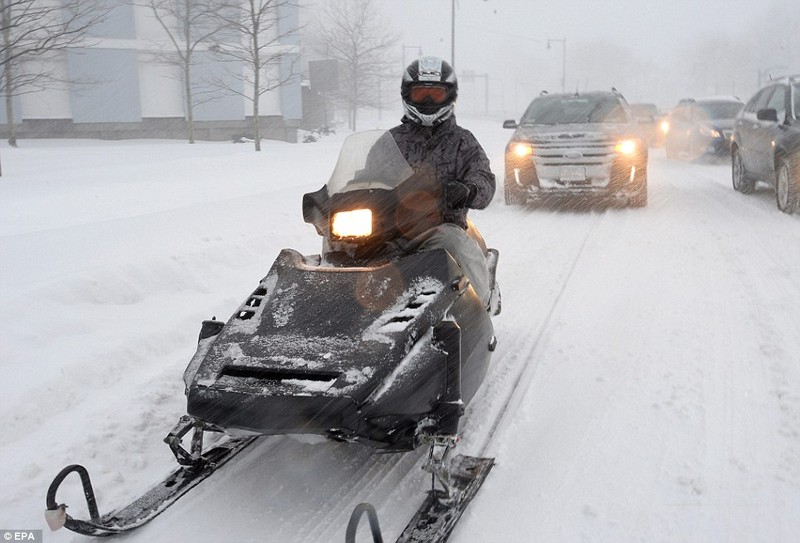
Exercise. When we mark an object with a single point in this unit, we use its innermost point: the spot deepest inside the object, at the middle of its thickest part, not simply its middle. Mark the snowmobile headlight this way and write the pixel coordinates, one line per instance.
(522, 149)
(665, 126)
(356, 223)
(626, 147)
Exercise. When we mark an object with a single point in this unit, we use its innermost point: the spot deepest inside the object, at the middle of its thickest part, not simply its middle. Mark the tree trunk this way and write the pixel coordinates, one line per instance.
(7, 75)
(189, 106)
(354, 98)
(187, 73)
(256, 78)
(256, 119)
(12, 131)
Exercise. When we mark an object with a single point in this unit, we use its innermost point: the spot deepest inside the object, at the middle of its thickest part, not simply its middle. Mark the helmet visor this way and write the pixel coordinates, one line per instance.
(435, 93)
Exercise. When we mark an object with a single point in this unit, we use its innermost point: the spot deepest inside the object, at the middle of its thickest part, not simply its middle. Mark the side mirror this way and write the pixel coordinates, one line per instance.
(510, 124)
(768, 114)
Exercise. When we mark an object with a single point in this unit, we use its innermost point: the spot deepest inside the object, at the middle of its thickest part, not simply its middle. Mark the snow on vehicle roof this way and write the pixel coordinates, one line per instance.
(713, 99)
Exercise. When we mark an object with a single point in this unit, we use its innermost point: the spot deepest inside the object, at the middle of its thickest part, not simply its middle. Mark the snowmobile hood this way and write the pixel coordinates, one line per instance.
(310, 330)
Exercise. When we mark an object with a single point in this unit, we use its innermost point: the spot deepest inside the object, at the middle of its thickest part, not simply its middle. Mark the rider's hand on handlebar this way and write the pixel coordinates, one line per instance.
(458, 194)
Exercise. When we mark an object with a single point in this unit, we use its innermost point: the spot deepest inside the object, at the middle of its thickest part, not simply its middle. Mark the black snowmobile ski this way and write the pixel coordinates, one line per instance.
(436, 518)
(146, 507)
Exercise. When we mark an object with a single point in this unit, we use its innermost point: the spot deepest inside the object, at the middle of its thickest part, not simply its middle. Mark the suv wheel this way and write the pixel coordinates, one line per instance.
(787, 187)
(640, 198)
(742, 182)
(512, 194)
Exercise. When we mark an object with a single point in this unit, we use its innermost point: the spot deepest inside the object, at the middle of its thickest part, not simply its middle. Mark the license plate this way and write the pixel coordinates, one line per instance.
(573, 173)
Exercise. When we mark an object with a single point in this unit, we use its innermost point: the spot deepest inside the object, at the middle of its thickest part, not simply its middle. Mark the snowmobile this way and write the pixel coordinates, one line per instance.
(360, 343)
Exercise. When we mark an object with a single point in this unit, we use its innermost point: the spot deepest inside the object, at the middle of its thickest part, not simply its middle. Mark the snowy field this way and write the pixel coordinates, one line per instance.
(645, 388)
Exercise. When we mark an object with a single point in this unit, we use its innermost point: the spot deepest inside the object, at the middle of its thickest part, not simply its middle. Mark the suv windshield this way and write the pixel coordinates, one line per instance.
(720, 110)
(575, 109)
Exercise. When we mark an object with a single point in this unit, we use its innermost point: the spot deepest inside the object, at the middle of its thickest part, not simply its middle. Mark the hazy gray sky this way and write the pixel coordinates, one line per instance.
(644, 47)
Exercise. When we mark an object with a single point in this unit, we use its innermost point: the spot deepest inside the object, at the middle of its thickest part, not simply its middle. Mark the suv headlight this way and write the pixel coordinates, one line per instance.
(626, 147)
(522, 149)
(356, 223)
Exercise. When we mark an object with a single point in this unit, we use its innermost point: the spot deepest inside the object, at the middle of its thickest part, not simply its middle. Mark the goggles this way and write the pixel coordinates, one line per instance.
(436, 93)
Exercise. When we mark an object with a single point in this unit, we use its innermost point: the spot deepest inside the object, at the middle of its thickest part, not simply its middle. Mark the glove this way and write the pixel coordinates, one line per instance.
(458, 195)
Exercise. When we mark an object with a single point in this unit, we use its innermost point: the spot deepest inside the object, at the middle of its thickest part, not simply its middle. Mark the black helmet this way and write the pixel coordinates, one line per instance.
(429, 90)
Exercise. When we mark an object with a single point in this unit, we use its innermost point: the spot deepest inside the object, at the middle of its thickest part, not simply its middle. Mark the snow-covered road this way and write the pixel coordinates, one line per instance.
(646, 385)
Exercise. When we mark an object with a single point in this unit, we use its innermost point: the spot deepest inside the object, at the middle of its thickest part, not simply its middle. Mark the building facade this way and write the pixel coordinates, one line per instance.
(118, 86)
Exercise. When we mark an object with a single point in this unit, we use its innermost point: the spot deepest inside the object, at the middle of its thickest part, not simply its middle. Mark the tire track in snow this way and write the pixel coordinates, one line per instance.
(752, 364)
(530, 351)
(773, 335)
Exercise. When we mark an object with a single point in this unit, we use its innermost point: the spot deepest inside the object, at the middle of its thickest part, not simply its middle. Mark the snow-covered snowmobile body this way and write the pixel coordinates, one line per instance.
(362, 343)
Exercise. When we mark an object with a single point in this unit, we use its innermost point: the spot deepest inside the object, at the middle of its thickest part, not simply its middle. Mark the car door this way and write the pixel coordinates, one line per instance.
(741, 127)
(747, 130)
(769, 131)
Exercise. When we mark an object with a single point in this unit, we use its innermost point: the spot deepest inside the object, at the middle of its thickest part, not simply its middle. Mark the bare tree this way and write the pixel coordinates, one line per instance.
(352, 32)
(190, 25)
(37, 29)
(256, 42)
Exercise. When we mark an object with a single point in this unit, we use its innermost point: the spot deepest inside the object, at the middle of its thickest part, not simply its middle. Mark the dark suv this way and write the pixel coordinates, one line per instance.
(766, 143)
(574, 146)
(701, 127)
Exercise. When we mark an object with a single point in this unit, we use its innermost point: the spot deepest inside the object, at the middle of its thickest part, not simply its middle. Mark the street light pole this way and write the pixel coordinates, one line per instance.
(563, 60)
(453, 34)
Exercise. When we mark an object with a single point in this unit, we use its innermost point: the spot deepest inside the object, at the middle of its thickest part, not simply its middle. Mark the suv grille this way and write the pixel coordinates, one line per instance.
(594, 152)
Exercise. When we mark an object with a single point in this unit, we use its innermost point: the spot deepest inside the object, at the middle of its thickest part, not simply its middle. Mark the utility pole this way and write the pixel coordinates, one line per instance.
(453, 34)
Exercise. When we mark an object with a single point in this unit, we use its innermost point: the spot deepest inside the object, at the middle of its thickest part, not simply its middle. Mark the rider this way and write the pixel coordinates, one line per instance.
(429, 138)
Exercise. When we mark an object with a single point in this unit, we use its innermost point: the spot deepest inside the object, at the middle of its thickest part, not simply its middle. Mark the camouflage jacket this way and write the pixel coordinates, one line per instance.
(454, 154)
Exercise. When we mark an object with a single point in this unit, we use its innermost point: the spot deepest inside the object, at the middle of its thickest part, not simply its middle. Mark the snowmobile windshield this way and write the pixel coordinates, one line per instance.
(369, 160)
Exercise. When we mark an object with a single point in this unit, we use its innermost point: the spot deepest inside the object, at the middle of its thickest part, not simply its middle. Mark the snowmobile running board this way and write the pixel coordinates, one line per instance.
(436, 518)
(146, 507)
